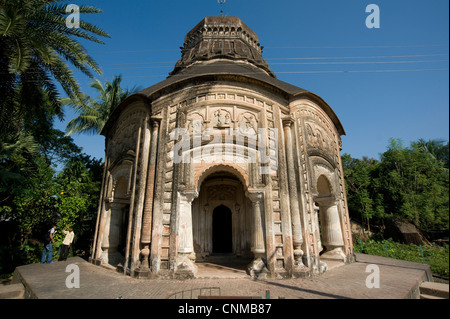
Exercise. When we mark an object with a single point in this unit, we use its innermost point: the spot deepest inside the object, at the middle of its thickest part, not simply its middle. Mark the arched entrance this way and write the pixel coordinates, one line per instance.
(221, 217)
(221, 191)
(222, 230)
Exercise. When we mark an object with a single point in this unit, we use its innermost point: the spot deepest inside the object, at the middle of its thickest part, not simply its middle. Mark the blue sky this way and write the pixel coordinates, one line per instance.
(390, 82)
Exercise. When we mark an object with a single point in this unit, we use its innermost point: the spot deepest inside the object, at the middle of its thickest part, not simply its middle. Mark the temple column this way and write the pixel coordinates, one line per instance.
(317, 229)
(102, 224)
(185, 264)
(101, 206)
(330, 224)
(140, 195)
(111, 236)
(148, 202)
(297, 238)
(257, 268)
(105, 236)
(133, 171)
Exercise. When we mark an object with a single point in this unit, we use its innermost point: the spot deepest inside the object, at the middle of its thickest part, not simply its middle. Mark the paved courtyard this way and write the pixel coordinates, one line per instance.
(398, 280)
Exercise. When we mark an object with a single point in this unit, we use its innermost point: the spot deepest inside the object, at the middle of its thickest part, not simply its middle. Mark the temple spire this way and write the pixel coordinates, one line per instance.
(221, 38)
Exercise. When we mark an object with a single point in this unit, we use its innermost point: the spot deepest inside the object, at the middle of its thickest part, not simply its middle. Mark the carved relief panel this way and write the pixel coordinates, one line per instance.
(319, 133)
(123, 141)
(196, 123)
(124, 136)
(248, 124)
(221, 118)
(317, 138)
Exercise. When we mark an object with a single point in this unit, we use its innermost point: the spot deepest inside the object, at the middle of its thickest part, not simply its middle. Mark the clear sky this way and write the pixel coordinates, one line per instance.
(391, 81)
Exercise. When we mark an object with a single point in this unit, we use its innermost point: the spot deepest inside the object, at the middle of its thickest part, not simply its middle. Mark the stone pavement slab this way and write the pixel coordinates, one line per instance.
(13, 291)
(398, 280)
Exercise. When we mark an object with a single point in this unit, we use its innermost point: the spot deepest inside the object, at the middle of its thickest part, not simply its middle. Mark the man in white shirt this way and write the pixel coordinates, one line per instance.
(66, 243)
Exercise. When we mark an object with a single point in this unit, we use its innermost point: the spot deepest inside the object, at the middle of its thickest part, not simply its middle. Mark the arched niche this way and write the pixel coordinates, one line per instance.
(329, 220)
(117, 215)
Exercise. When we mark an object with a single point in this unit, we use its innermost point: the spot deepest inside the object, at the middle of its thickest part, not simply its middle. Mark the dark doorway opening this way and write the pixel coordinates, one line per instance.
(124, 230)
(222, 230)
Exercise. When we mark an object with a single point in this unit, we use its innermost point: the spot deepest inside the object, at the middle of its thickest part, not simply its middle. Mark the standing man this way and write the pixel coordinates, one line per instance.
(47, 252)
(66, 244)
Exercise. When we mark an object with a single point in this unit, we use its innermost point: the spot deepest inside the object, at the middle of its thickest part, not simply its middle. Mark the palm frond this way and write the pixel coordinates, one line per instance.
(64, 75)
(36, 29)
(89, 124)
(93, 114)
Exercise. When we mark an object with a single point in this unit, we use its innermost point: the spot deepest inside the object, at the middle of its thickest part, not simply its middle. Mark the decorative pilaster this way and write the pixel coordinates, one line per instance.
(185, 265)
(332, 237)
(143, 167)
(148, 203)
(132, 200)
(95, 251)
(257, 268)
(157, 214)
(293, 195)
(283, 184)
(105, 238)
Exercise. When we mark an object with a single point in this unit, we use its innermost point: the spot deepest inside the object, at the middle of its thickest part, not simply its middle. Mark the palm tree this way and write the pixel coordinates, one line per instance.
(36, 46)
(93, 114)
(435, 148)
(35, 34)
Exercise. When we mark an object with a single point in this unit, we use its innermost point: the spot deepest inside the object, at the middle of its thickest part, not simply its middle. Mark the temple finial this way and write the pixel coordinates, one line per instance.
(221, 2)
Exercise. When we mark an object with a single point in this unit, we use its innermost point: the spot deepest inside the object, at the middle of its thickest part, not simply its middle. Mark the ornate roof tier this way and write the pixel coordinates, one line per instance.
(221, 38)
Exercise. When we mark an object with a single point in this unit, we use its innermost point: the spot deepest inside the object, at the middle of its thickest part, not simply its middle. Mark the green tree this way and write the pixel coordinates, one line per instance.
(28, 187)
(36, 48)
(80, 183)
(33, 196)
(93, 114)
(362, 191)
(414, 186)
(408, 183)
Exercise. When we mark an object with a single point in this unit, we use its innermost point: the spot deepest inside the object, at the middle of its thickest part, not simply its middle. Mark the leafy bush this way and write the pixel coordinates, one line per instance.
(435, 256)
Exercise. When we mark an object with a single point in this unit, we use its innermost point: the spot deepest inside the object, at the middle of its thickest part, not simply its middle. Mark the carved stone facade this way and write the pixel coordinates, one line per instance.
(222, 158)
